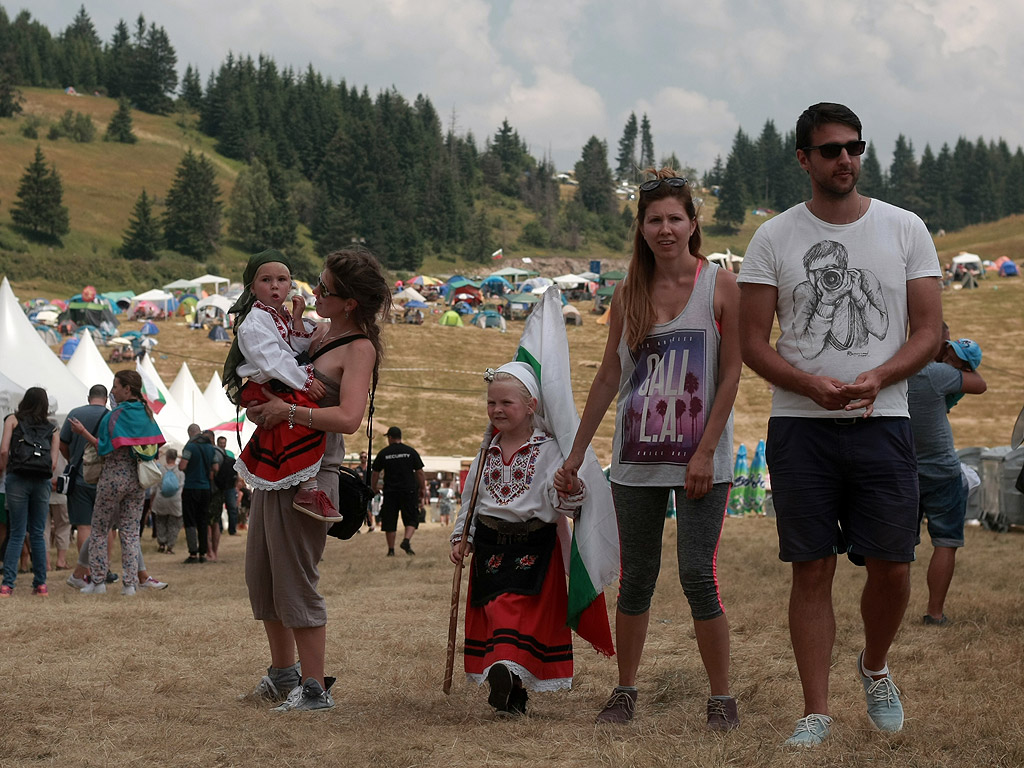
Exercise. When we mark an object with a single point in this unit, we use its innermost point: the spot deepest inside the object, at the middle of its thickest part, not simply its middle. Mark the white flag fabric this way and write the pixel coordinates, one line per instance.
(594, 554)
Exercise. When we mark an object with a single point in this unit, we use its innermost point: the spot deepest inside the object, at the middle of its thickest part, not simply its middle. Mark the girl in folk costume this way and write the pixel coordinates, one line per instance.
(516, 632)
(267, 339)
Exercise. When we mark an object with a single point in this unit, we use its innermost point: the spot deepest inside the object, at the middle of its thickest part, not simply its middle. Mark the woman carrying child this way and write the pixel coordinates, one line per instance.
(516, 632)
(267, 339)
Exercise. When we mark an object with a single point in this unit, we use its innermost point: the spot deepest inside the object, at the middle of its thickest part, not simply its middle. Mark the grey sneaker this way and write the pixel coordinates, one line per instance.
(933, 622)
(94, 589)
(810, 731)
(308, 697)
(77, 583)
(276, 684)
(884, 706)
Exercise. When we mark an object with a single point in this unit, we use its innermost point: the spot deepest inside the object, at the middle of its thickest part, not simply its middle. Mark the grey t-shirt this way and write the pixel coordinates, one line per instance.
(933, 437)
(90, 416)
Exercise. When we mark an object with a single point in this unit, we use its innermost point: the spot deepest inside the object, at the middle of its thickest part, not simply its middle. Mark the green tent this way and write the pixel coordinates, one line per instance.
(451, 317)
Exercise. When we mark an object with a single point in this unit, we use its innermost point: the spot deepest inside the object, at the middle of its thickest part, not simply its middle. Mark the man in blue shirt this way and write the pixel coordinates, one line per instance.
(199, 463)
(943, 500)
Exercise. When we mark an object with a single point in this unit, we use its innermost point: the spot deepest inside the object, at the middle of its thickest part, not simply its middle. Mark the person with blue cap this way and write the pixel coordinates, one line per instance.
(943, 488)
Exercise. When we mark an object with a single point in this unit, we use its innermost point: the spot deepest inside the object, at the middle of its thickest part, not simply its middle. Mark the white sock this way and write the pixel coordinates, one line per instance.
(870, 673)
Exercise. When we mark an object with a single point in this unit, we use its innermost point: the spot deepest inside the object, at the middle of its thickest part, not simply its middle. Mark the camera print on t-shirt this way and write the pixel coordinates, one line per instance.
(663, 420)
(837, 307)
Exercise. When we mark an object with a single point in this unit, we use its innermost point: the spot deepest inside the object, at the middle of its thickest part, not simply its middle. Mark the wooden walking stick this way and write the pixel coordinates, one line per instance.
(453, 616)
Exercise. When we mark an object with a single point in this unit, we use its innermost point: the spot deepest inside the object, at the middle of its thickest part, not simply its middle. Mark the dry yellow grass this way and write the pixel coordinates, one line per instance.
(112, 681)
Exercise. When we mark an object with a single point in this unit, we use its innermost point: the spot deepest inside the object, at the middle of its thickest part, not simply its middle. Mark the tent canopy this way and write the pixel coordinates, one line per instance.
(216, 280)
(513, 272)
(182, 285)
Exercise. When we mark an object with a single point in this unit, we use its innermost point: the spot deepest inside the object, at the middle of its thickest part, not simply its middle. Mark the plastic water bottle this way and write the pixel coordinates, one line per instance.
(757, 483)
(740, 480)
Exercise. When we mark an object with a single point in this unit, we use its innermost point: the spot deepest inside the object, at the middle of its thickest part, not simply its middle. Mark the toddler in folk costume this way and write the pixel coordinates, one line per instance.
(267, 339)
(516, 632)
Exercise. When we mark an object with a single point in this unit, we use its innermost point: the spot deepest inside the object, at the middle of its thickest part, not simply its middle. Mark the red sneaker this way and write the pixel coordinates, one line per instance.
(41, 590)
(316, 504)
(6, 591)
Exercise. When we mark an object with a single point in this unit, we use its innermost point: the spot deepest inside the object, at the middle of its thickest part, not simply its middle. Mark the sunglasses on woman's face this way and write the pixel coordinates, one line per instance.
(324, 293)
(653, 184)
(832, 150)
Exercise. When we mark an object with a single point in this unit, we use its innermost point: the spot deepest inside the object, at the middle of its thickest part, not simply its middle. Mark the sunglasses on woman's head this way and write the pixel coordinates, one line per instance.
(653, 184)
(832, 150)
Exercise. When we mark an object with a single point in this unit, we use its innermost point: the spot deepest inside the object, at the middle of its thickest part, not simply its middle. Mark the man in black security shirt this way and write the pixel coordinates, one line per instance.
(405, 489)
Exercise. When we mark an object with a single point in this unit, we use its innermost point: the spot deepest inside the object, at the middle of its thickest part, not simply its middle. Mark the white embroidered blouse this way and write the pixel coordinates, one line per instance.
(520, 489)
(269, 345)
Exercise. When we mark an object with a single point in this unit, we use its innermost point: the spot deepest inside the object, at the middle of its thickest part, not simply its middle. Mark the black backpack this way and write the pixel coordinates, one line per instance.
(225, 477)
(30, 450)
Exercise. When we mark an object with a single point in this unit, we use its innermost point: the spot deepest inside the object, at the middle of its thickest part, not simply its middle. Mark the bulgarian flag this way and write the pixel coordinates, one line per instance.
(593, 554)
(150, 390)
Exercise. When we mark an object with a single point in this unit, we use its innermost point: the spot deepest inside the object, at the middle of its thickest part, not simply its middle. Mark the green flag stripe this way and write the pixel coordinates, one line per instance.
(581, 592)
(523, 355)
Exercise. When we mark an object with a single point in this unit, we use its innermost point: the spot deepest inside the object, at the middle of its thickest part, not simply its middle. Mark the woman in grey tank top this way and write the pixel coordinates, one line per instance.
(673, 359)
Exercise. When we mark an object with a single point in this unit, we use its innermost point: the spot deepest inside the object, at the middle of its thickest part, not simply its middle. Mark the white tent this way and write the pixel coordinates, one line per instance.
(172, 420)
(218, 401)
(969, 260)
(188, 395)
(159, 298)
(208, 279)
(28, 362)
(10, 395)
(568, 281)
(408, 294)
(87, 363)
(181, 285)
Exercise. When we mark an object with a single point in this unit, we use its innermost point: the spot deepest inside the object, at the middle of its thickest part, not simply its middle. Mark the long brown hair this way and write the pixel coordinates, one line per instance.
(34, 405)
(357, 275)
(634, 293)
(132, 380)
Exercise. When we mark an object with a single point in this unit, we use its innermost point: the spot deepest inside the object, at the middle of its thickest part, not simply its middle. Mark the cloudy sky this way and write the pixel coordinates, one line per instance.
(564, 70)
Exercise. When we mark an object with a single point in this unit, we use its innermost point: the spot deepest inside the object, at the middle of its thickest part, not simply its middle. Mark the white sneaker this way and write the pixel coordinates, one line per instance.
(152, 583)
(94, 589)
(128, 591)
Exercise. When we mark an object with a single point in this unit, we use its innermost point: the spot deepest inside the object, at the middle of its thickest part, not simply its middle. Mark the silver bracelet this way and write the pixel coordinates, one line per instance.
(291, 416)
(310, 425)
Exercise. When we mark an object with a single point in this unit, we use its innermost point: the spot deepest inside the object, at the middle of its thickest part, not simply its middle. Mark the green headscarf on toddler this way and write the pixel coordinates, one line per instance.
(240, 309)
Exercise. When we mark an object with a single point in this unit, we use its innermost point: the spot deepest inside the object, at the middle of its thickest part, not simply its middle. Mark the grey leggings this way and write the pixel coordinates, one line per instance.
(640, 512)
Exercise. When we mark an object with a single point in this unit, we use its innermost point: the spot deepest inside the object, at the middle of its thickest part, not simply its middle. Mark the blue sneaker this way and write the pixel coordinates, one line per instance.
(884, 707)
(810, 731)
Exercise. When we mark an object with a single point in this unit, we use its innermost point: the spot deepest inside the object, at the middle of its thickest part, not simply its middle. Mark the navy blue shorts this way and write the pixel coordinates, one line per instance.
(944, 506)
(844, 486)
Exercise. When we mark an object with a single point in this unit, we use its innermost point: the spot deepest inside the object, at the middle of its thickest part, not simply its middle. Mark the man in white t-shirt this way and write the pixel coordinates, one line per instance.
(847, 277)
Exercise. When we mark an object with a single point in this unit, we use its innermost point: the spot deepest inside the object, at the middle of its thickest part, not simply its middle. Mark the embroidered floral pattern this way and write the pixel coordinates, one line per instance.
(494, 563)
(507, 482)
(526, 562)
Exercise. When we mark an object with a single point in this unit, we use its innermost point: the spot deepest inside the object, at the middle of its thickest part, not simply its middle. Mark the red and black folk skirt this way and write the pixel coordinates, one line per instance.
(279, 457)
(517, 604)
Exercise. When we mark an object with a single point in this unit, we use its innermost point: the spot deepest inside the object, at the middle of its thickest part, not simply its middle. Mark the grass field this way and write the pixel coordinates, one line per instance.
(102, 681)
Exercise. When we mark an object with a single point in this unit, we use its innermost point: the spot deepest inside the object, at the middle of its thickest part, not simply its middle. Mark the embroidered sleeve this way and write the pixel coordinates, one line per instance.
(299, 340)
(267, 354)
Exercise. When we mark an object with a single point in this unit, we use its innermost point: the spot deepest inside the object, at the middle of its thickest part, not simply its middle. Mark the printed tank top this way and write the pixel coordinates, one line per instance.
(666, 391)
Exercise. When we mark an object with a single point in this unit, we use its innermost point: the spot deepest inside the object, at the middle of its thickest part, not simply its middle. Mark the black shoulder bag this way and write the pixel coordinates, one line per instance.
(354, 493)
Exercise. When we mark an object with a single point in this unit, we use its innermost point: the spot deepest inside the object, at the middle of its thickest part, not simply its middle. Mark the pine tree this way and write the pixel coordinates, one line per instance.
(117, 61)
(120, 126)
(142, 238)
(40, 197)
(871, 182)
(191, 88)
(255, 214)
(625, 162)
(732, 207)
(904, 186)
(646, 144)
(192, 220)
(10, 97)
(596, 190)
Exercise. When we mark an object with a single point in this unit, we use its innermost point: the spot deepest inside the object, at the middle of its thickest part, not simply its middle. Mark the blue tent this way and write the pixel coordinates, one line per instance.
(149, 328)
(218, 333)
